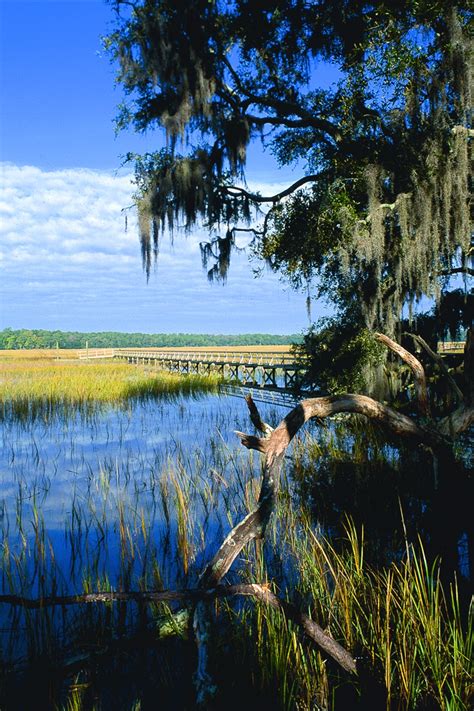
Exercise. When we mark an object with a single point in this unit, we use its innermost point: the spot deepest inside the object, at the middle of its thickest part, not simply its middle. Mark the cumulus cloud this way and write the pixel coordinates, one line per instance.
(67, 262)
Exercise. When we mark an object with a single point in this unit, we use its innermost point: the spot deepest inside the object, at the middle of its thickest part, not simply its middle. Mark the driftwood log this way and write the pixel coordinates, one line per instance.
(273, 445)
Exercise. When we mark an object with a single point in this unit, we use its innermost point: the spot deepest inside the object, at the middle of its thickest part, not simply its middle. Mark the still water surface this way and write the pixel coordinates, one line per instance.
(77, 474)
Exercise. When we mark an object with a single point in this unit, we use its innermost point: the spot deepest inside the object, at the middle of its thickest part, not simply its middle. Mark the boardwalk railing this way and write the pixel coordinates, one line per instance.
(451, 346)
(261, 368)
(230, 356)
(94, 353)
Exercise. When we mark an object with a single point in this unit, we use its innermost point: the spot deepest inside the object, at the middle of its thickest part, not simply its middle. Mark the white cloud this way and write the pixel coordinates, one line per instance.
(67, 262)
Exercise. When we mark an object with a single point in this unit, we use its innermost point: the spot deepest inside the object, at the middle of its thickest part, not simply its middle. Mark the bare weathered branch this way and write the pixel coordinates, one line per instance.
(458, 421)
(416, 368)
(260, 425)
(261, 592)
(321, 407)
(252, 442)
(142, 596)
(311, 628)
(463, 417)
(251, 527)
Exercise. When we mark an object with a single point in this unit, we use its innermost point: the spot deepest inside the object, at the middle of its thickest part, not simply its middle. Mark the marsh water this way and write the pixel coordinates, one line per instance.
(141, 496)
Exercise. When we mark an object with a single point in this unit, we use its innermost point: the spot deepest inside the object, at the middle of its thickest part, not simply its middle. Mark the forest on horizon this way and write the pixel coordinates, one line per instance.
(23, 338)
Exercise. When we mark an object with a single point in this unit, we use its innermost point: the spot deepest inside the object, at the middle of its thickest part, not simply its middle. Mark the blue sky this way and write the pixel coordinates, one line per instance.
(65, 260)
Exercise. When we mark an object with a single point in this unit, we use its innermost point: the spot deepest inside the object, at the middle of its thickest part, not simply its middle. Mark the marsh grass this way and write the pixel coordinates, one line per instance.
(40, 387)
(413, 645)
(39, 354)
(413, 642)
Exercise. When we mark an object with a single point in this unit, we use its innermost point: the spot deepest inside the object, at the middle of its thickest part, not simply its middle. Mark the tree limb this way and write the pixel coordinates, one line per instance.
(310, 628)
(321, 407)
(282, 106)
(237, 191)
(308, 122)
(260, 425)
(261, 592)
(251, 527)
(458, 421)
(289, 108)
(416, 368)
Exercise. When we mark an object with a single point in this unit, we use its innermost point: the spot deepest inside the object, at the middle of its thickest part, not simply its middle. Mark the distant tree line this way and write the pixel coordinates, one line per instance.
(25, 338)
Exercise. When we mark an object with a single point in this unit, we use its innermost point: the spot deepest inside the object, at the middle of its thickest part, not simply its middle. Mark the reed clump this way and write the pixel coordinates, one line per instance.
(412, 641)
(41, 387)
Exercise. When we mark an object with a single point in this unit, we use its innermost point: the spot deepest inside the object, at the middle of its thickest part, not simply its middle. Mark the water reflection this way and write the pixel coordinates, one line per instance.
(398, 494)
(117, 466)
(116, 453)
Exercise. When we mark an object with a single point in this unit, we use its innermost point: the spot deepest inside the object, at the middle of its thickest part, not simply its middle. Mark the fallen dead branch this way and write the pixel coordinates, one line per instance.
(260, 592)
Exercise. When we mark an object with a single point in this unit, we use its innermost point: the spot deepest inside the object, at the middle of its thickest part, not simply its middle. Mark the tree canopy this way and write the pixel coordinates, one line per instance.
(380, 213)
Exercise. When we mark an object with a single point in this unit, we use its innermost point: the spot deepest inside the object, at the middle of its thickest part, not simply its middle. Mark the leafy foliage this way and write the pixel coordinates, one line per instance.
(382, 204)
(447, 320)
(343, 357)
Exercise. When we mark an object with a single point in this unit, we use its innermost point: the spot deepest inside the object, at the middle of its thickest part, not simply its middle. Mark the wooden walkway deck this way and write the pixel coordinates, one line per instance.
(271, 369)
(259, 368)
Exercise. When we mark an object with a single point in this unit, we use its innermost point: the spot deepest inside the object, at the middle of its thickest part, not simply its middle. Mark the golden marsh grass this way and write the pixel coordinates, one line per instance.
(35, 385)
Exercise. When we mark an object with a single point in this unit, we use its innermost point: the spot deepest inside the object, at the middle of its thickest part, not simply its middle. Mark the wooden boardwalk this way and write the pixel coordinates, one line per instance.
(259, 368)
(450, 347)
(263, 369)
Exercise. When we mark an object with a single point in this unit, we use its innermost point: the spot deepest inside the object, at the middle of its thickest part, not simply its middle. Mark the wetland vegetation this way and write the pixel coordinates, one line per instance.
(44, 385)
(136, 490)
